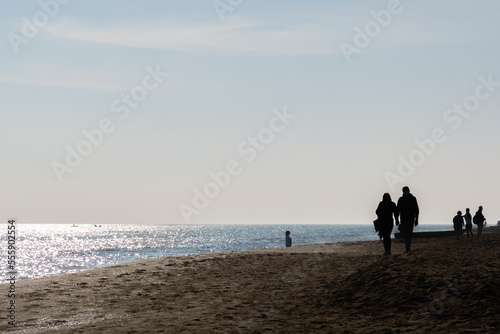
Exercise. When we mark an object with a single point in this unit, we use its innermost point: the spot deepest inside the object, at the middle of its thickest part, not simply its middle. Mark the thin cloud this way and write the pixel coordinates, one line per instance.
(59, 83)
(216, 38)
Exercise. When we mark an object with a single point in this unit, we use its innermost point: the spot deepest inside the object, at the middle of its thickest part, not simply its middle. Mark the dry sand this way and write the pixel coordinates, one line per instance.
(442, 286)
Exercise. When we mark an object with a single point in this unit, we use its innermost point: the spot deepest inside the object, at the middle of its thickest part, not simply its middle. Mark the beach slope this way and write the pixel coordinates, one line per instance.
(442, 286)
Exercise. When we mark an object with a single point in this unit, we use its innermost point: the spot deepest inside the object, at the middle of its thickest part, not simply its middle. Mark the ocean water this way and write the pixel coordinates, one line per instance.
(43, 249)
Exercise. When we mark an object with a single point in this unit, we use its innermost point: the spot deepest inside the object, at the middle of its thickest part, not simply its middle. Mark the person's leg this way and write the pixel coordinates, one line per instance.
(404, 230)
(387, 242)
(479, 229)
(408, 228)
(401, 231)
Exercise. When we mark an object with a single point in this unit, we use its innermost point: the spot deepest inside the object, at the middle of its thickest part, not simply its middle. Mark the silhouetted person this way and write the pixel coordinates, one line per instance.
(407, 210)
(458, 223)
(288, 240)
(385, 211)
(479, 221)
(468, 223)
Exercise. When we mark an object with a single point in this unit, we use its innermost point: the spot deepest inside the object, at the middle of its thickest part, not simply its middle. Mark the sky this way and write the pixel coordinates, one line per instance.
(247, 112)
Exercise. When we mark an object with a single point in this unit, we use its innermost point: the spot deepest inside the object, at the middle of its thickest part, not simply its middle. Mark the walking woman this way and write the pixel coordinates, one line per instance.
(385, 212)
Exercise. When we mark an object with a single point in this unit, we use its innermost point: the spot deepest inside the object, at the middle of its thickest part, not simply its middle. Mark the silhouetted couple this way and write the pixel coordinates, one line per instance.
(406, 210)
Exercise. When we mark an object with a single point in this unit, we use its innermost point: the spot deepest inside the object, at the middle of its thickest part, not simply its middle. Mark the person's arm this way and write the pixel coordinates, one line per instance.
(417, 211)
(396, 213)
(378, 211)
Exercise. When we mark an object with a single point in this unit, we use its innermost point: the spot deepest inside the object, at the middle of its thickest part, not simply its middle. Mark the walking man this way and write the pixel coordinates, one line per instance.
(407, 210)
(468, 223)
(479, 221)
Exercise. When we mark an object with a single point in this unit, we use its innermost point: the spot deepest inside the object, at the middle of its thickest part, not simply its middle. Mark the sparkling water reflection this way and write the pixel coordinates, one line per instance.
(53, 249)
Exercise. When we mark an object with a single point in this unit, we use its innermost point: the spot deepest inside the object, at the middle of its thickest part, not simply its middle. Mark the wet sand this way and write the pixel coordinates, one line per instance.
(442, 286)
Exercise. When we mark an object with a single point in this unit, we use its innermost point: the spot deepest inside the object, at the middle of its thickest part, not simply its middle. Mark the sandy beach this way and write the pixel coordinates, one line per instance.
(442, 286)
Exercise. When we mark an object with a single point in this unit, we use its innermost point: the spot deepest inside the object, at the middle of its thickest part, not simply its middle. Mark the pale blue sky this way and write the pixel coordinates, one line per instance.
(353, 120)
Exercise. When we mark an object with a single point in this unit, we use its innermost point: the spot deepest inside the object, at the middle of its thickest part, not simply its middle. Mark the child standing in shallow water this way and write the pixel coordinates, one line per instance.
(288, 240)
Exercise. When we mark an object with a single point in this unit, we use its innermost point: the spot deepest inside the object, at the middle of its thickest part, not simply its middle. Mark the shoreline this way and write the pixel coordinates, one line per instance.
(375, 238)
(343, 286)
(164, 241)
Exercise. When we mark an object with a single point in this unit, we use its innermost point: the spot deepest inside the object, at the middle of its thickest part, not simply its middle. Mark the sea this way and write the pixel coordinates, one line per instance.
(43, 249)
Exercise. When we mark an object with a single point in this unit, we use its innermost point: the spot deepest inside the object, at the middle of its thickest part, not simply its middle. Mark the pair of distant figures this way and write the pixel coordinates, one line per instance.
(478, 219)
(405, 214)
